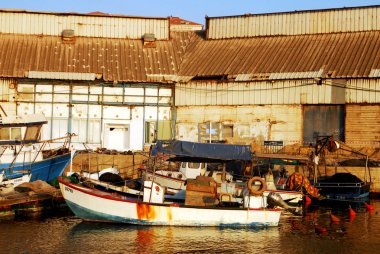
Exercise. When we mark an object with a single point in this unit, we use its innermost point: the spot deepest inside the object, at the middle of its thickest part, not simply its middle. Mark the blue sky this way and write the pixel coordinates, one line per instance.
(194, 10)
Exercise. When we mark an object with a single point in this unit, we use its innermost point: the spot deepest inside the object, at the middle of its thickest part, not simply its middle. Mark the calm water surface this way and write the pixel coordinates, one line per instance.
(68, 234)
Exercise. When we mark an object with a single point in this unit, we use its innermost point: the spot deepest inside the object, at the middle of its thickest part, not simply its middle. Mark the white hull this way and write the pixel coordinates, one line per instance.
(90, 204)
(16, 181)
(169, 182)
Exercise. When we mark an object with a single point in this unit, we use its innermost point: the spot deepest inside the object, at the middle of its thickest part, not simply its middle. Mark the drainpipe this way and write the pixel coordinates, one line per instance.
(69, 124)
(88, 113)
(101, 118)
(143, 119)
(173, 109)
(52, 109)
(174, 122)
(158, 98)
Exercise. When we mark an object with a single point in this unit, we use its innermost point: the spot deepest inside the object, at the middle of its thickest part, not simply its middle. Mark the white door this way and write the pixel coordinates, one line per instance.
(117, 137)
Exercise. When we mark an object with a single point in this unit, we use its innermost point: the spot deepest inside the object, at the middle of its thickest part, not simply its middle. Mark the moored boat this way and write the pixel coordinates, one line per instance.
(94, 205)
(24, 157)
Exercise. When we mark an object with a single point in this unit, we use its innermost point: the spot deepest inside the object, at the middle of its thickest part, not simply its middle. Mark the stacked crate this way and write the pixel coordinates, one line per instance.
(201, 191)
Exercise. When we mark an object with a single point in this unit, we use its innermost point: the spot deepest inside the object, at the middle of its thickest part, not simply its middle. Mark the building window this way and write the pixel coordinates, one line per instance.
(228, 131)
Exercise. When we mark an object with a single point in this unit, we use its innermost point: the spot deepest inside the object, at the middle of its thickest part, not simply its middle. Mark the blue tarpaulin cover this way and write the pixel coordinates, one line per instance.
(205, 150)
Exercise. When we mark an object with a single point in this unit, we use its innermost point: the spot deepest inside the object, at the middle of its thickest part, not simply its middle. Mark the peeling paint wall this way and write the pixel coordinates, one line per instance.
(7, 96)
(250, 123)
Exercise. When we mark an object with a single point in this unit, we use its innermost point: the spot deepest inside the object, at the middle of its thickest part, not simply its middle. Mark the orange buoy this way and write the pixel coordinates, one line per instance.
(307, 200)
(369, 207)
(352, 212)
(334, 218)
(320, 230)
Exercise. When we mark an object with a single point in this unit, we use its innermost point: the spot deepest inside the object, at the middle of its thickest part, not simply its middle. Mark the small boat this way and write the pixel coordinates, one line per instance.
(23, 157)
(194, 158)
(342, 185)
(95, 205)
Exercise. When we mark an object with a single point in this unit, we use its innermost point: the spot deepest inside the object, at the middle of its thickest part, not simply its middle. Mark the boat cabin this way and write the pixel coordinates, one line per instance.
(193, 169)
(21, 129)
(18, 134)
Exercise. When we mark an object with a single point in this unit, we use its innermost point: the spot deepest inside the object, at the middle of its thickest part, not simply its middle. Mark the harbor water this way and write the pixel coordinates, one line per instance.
(315, 232)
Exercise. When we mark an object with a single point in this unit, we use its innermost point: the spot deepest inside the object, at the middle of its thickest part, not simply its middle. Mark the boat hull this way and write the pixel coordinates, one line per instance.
(94, 205)
(46, 170)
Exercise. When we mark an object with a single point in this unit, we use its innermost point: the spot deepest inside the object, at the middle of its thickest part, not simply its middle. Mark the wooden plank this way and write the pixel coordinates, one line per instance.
(281, 156)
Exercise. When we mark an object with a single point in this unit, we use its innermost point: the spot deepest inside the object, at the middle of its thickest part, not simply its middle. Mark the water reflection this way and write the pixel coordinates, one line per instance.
(172, 239)
(324, 234)
(294, 235)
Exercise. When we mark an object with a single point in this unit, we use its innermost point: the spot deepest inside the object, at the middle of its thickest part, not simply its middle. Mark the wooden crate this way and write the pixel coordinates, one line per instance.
(195, 198)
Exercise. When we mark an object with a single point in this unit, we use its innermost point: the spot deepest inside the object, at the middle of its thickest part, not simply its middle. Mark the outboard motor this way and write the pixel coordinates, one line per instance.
(274, 199)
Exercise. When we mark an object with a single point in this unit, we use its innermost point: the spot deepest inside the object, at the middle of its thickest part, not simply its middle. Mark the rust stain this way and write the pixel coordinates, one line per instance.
(169, 213)
(145, 212)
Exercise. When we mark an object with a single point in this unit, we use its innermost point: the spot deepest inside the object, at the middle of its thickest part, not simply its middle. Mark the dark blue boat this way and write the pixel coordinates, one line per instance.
(343, 186)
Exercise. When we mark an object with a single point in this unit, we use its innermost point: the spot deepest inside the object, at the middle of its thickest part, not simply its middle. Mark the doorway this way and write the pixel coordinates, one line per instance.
(117, 137)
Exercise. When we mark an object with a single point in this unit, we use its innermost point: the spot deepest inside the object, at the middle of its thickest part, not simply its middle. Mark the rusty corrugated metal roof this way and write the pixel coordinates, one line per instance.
(339, 55)
(115, 59)
(188, 54)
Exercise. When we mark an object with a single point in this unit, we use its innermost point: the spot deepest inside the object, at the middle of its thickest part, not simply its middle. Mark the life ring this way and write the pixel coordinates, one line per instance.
(262, 188)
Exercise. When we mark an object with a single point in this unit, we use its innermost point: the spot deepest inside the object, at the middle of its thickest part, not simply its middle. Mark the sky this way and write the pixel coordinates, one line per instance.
(193, 10)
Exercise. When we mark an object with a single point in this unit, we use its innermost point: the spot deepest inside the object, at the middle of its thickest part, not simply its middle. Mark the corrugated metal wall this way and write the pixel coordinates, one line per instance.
(363, 125)
(253, 93)
(363, 91)
(249, 123)
(291, 23)
(83, 25)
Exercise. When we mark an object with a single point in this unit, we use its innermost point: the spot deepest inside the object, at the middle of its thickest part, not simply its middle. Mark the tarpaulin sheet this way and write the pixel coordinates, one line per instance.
(205, 150)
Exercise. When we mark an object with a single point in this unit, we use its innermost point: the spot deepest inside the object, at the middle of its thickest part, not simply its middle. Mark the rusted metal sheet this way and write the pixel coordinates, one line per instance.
(87, 25)
(260, 92)
(107, 59)
(322, 120)
(61, 75)
(329, 55)
(363, 91)
(248, 123)
(295, 23)
(7, 88)
(363, 125)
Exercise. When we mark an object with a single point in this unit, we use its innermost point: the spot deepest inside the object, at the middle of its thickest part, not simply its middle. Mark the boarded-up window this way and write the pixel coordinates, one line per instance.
(228, 131)
(163, 132)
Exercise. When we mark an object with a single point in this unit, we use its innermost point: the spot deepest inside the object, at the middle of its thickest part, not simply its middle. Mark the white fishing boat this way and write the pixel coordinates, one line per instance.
(194, 158)
(94, 205)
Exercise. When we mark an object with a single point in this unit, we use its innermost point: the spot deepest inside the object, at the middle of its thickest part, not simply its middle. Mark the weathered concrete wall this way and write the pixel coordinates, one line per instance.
(250, 123)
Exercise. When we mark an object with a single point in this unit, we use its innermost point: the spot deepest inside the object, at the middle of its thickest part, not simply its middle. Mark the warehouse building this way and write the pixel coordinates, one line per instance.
(122, 82)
